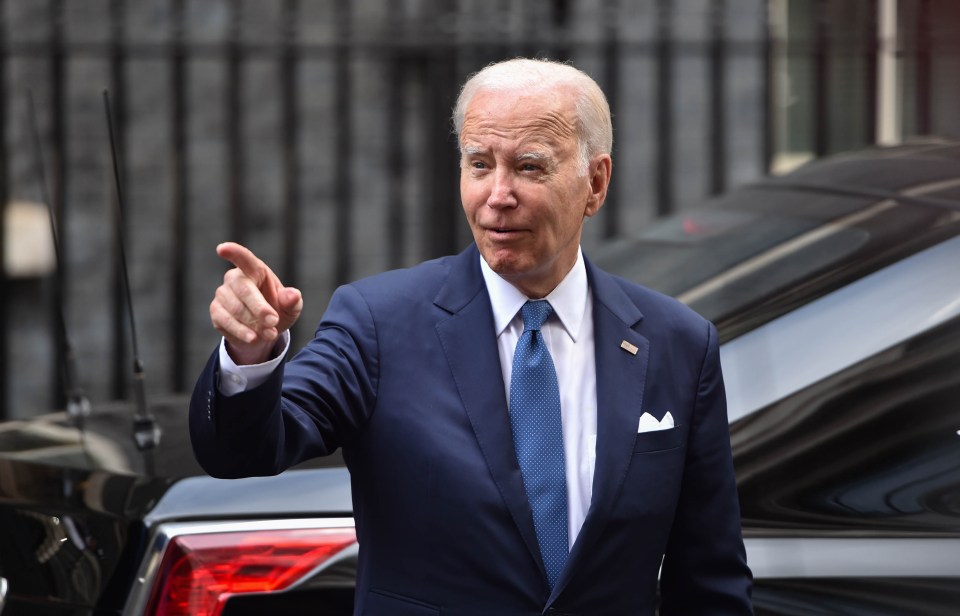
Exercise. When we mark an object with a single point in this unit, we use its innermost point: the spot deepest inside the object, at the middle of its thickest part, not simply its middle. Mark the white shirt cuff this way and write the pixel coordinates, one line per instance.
(236, 379)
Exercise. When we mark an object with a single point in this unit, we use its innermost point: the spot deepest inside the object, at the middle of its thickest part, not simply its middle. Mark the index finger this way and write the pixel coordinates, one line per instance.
(243, 258)
(253, 268)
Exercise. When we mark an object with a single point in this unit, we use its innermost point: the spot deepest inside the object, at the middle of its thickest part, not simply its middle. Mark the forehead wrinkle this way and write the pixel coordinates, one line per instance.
(537, 129)
(553, 125)
(528, 146)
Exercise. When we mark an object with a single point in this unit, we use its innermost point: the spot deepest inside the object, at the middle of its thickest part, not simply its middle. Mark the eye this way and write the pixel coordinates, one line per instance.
(529, 167)
(478, 164)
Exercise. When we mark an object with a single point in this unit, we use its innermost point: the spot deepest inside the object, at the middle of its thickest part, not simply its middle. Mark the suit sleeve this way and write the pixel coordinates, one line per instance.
(704, 568)
(307, 408)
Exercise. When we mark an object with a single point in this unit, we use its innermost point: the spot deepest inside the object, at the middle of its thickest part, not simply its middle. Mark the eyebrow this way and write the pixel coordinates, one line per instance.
(534, 155)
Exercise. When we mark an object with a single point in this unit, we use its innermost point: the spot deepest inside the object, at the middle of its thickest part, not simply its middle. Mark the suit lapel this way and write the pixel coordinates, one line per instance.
(475, 363)
(621, 377)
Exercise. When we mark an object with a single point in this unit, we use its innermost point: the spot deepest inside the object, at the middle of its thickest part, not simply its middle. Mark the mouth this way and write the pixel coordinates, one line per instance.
(503, 236)
(503, 231)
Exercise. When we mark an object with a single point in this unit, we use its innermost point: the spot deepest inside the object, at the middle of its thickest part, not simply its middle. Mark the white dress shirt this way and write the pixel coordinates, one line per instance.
(568, 334)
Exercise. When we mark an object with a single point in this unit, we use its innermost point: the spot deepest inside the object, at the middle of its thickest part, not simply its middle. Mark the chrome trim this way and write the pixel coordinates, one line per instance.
(853, 557)
(164, 533)
(838, 330)
(4, 586)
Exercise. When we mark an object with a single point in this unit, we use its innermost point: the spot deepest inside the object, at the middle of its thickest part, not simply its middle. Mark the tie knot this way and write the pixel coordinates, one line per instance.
(535, 313)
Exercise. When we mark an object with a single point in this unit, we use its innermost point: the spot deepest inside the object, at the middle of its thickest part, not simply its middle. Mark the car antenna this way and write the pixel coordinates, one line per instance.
(78, 406)
(146, 432)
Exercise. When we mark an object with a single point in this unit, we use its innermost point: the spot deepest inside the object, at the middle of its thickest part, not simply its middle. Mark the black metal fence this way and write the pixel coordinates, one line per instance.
(317, 133)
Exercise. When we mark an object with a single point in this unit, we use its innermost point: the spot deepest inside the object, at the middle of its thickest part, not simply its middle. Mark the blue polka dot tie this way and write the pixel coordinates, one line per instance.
(538, 437)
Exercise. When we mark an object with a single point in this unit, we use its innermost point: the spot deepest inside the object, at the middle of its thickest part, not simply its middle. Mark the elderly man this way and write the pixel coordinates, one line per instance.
(526, 434)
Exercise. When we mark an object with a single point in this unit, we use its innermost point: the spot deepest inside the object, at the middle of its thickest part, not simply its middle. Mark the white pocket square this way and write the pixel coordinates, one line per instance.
(649, 423)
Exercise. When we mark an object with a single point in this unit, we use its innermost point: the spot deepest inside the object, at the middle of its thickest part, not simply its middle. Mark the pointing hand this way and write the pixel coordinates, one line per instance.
(252, 307)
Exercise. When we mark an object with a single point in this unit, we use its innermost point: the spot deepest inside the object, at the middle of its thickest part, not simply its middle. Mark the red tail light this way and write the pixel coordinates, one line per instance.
(200, 572)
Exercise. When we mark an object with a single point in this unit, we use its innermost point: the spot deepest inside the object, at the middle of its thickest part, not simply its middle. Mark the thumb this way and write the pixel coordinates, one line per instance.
(290, 306)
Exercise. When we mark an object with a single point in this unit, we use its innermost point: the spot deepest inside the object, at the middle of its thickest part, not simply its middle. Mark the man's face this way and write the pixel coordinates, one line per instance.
(522, 191)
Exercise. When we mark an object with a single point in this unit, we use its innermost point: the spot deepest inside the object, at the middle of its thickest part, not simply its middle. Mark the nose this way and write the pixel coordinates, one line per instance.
(502, 193)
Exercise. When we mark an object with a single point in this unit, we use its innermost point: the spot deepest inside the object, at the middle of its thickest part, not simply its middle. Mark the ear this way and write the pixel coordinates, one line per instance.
(599, 177)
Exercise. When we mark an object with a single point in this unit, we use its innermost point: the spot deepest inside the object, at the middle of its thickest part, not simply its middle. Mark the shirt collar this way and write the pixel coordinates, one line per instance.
(569, 298)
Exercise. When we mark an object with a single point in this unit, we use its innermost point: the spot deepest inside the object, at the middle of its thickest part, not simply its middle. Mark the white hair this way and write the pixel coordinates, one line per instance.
(594, 125)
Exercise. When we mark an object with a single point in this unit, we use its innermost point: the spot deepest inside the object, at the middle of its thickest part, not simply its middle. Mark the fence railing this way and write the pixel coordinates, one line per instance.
(317, 133)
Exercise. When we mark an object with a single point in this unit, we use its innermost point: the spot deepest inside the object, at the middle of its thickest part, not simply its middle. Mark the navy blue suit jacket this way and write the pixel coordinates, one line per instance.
(403, 373)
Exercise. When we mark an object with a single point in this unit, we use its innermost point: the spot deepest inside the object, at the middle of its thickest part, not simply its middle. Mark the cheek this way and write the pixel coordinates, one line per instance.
(471, 197)
(470, 210)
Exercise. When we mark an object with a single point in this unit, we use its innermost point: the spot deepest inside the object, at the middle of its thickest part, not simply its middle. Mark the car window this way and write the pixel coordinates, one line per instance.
(823, 337)
(758, 253)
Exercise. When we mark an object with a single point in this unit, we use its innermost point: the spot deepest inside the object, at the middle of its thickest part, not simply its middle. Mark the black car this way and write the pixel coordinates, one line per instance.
(836, 292)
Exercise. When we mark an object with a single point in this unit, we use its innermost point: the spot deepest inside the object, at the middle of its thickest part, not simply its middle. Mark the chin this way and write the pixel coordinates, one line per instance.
(506, 266)
(525, 279)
